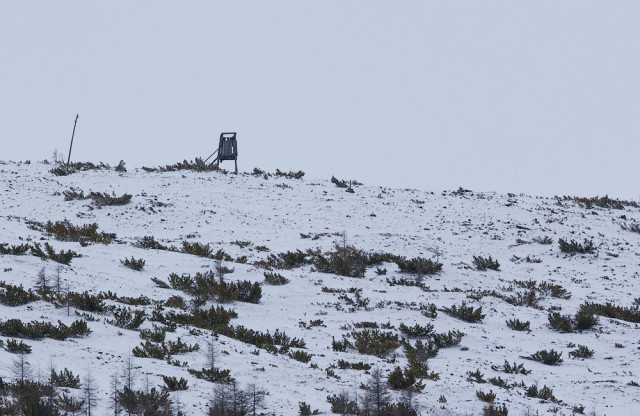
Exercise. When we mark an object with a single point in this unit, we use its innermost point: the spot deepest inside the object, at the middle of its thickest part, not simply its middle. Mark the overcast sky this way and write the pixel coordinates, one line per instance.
(540, 97)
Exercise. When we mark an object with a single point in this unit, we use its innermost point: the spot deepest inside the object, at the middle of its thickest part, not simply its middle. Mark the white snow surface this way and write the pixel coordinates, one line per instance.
(218, 209)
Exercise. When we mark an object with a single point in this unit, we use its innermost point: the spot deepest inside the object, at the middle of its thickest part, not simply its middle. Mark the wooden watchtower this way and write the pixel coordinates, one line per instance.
(227, 149)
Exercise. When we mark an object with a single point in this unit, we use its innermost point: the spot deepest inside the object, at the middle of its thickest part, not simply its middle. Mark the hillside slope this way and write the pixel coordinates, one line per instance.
(246, 215)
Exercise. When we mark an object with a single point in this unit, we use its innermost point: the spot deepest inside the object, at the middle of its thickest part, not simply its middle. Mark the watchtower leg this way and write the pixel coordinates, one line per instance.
(236, 160)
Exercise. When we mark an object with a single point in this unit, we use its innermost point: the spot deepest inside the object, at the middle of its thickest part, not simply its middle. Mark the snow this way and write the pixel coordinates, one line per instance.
(219, 209)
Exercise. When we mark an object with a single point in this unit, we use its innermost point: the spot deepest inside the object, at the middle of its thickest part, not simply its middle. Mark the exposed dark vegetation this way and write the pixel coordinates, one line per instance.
(550, 357)
(38, 330)
(573, 247)
(104, 199)
(275, 279)
(602, 202)
(208, 286)
(11, 295)
(465, 313)
(485, 263)
(66, 231)
(348, 261)
(518, 325)
(610, 310)
(197, 165)
(49, 253)
(133, 263)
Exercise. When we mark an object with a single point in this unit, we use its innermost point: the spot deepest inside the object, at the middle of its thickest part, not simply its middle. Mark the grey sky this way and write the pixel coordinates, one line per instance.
(537, 97)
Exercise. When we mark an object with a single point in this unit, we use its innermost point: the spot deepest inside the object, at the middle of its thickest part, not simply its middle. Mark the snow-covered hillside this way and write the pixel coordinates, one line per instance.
(246, 215)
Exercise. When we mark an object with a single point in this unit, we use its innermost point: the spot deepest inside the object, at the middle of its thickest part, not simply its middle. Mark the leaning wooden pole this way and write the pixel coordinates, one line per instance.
(71, 145)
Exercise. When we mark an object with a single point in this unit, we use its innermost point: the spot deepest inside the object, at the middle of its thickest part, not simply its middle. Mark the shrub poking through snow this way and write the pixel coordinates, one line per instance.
(581, 352)
(213, 375)
(550, 357)
(275, 279)
(375, 342)
(418, 265)
(65, 378)
(17, 347)
(66, 231)
(495, 410)
(511, 368)
(173, 384)
(18, 250)
(573, 247)
(86, 302)
(301, 356)
(344, 261)
(582, 321)
(128, 319)
(289, 175)
(416, 331)
(560, 323)
(486, 397)
(197, 249)
(11, 295)
(49, 253)
(610, 310)
(484, 263)
(104, 199)
(545, 393)
(133, 264)
(149, 241)
(518, 325)
(39, 330)
(465, 313)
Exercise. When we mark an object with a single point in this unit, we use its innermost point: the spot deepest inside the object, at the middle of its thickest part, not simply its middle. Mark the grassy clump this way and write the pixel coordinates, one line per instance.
(573, 247)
